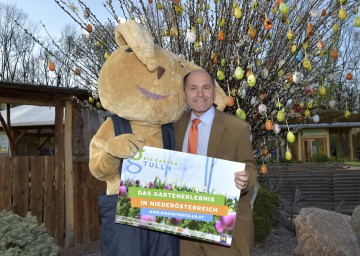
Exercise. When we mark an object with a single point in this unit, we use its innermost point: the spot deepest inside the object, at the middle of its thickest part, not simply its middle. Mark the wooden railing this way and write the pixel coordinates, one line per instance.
(321, 186)
(29, 183)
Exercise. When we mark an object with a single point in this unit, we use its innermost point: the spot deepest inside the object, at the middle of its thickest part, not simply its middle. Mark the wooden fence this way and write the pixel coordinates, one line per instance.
(29, 183)
(321, 186)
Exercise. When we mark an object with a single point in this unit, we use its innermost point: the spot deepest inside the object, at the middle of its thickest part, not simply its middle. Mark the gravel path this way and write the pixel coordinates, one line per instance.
(280, 242)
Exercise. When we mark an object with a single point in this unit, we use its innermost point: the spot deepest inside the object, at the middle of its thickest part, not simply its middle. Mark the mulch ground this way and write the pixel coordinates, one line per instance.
(88, 249)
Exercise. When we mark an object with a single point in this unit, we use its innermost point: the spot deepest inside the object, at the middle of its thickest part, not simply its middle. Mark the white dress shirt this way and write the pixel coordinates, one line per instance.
(204, 128)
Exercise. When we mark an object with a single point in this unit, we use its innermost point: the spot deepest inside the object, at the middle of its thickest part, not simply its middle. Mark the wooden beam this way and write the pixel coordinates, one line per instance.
(69, 183)
(13, 147)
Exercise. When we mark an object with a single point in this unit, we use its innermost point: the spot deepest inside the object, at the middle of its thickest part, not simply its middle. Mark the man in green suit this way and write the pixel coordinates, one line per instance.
(224, 136)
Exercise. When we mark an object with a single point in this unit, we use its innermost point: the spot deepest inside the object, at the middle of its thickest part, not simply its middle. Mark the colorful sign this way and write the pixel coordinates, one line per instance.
(179, 193)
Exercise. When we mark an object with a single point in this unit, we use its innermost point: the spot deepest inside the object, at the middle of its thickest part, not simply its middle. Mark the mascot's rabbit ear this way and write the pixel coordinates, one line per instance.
(135, 36)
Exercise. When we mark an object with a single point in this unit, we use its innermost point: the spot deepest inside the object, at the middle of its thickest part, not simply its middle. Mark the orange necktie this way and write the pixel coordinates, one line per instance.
(193, 136)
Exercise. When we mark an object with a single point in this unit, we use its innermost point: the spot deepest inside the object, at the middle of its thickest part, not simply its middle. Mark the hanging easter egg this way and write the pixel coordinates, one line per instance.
(309, 90)
(174, 32)
(241, 93)
(290, 137)
(267, 24)
(278, 106)
(293, 48)
(221, 22)
(310, 104)
(77, 71)
(299, 56)
(307, 113)
(354, 9)
(347, 114)
(51, 66)
(357, 21)
(197, 46)
(290, 35)
(334, 54)
(91, 100)
(230, 101)
(264, 73)
(315, 13)
(98, 105)
(220, 75)
(251, 80)
(276, 128)
(316, 118)
(89, 28)
(335, 27)
(266, 152)
(263, 169)
(252, 32)
(240, 114)
(297, 77)
(268, 125)
(320, 45)
(342, 14)
(306, 64)
(332, 104)
(223, 62)
(322, 90)
(259, 62)
(239, 73)
(106, 55)
(200, 20)
(86, 13)
(288, 155)
(309, 29)
(237, 12)
(290, 79)
(159, 6)
(191, 36)
(221, 35)
(233, 92)
(280, 116)
(297, 108)
(349, 76)
(262, 109)
(284, 8)
(253, 100)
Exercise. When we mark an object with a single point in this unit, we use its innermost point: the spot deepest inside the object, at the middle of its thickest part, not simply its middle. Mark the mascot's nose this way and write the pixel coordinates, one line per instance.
(160, 71)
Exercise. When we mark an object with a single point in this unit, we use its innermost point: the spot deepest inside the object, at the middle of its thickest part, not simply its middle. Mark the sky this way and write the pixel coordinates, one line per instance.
(52, 16)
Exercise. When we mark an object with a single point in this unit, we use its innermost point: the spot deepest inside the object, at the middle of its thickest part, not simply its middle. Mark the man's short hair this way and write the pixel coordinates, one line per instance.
(187, 75)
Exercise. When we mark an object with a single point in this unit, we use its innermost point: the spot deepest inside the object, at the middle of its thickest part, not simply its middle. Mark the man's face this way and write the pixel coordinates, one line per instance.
(199, 92)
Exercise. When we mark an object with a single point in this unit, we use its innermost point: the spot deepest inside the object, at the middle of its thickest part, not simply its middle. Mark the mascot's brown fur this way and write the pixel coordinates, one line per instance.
(142, 83)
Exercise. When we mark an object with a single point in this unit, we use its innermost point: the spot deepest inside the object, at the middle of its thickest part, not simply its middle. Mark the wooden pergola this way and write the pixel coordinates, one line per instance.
(63, 100)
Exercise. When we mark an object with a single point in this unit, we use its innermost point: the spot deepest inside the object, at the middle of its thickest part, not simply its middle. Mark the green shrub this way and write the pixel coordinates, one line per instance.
(319, 158)
(264, 205)
(24, 236)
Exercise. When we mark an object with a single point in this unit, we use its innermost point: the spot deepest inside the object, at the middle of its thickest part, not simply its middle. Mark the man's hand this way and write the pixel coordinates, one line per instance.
(241, 179)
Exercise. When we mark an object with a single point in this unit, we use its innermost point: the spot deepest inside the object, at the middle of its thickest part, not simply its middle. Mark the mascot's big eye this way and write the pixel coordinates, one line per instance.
(128, 50)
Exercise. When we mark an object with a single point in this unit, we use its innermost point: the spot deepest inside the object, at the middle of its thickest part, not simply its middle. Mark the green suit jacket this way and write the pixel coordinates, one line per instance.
(230, 140)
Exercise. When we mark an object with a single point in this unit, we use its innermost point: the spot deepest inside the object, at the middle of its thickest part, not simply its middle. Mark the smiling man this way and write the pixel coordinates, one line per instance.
(223, 136)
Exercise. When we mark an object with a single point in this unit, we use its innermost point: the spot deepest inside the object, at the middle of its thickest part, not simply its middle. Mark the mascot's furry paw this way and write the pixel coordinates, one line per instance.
(125, 145)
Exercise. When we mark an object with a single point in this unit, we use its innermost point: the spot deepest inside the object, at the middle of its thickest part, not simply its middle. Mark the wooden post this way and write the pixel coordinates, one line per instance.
(69, 187)
(59, 173)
